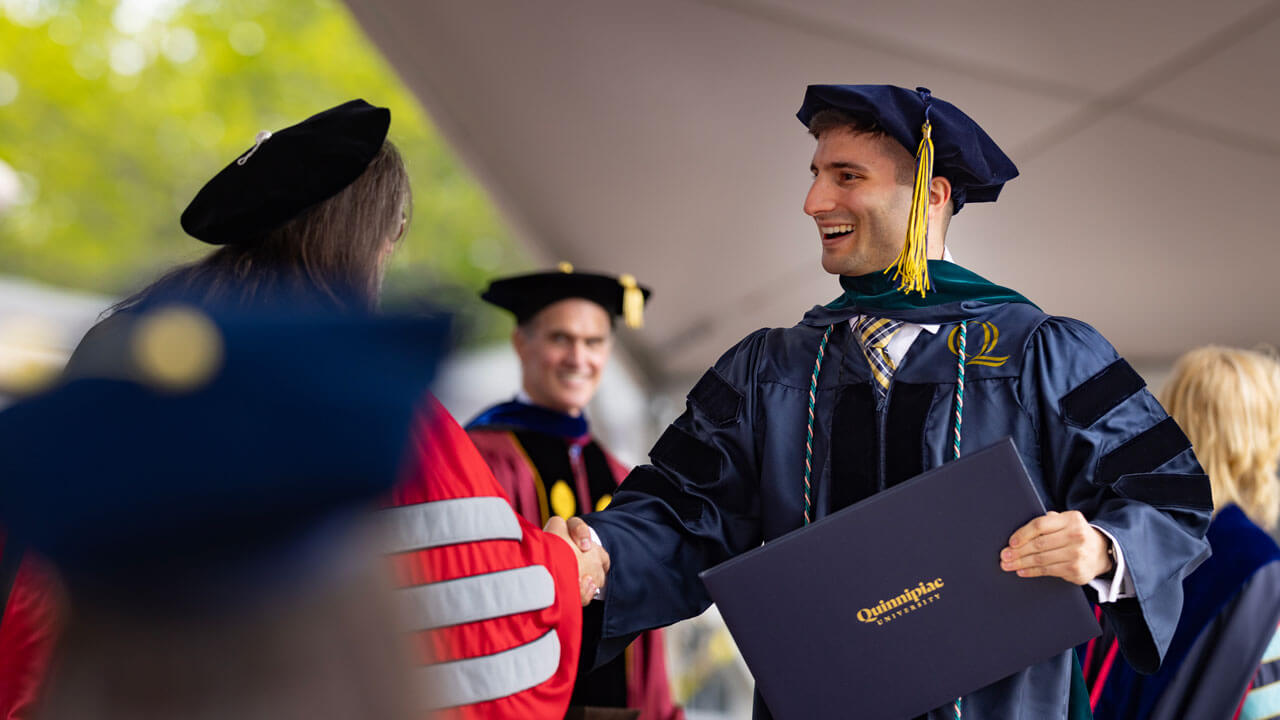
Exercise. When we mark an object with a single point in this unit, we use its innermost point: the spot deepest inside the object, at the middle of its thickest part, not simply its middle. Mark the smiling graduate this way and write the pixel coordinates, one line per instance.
(917, 361)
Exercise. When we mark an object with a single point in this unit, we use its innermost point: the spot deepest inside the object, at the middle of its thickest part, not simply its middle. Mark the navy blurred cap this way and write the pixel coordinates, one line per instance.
(287, 172)
(963, 152)
(224, 435)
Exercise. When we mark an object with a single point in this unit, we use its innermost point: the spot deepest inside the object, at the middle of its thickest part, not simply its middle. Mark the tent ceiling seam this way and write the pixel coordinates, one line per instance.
(1094, 107)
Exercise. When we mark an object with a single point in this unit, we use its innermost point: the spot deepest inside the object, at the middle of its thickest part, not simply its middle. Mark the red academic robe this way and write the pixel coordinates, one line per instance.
(28, 626)
(527, 656)
(535, 499)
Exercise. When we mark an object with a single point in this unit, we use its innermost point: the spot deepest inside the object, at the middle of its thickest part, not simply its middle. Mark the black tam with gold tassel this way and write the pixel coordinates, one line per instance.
(526, 295)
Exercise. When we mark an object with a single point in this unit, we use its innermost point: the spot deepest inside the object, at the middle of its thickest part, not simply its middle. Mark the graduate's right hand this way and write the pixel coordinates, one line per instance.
(593, 561)
(581, 534)
(582, 537)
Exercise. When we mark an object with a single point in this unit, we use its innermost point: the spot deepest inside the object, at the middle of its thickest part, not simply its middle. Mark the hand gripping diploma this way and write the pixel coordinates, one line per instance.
(1062, 545)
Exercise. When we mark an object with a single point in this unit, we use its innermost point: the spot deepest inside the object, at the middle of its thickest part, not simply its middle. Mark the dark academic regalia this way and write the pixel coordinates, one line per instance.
(549, 464)
(1229, 617)
(728, 474)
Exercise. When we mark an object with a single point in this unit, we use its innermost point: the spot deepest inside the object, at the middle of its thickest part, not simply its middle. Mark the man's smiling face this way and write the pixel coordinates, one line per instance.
(563, 350)
(860, 199)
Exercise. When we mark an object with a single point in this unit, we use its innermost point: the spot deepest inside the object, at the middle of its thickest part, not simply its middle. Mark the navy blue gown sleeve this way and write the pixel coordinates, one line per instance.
(1109, 450)
(693, 507)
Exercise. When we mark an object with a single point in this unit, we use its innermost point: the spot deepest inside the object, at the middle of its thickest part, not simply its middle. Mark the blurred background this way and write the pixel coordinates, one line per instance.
(657, 139)
(113, 114)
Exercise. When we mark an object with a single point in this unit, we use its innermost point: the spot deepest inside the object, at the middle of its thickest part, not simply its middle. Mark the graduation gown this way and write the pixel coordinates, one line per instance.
(1229, 617)
(728, 474)
(494, 600)
(549, 464)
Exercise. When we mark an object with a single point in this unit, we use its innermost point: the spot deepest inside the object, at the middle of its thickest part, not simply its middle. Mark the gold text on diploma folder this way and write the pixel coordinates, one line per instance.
(925, 592)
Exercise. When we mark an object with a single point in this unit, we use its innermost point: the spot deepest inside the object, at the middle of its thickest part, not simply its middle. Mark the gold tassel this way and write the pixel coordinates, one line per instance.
(632, 301)
(565, 267)
(912, 265)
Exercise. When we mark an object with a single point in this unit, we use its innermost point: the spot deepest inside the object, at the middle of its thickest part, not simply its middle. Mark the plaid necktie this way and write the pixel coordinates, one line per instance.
(875, 334)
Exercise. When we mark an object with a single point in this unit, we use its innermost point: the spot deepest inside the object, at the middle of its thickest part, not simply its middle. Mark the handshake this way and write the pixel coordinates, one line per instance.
(593, 561)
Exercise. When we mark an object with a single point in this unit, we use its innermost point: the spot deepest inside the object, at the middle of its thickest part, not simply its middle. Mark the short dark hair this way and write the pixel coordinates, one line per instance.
(829, 119)
(835, 118)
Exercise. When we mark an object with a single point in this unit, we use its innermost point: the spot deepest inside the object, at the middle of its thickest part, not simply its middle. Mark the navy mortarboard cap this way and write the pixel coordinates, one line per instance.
(526, 295)
(286, 172)
(945, 141)
(963, 152)
(221, 437)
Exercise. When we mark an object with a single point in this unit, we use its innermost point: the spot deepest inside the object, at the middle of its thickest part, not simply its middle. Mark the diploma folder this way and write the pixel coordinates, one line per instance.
(897, 605)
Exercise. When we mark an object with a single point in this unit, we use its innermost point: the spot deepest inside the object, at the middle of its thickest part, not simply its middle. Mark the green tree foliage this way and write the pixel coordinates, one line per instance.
(114, 113)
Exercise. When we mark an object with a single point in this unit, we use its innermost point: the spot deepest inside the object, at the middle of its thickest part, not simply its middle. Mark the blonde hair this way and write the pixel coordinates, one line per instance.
(1228, 402)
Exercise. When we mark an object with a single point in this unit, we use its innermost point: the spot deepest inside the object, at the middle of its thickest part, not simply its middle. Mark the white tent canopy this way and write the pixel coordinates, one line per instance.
(658, 138)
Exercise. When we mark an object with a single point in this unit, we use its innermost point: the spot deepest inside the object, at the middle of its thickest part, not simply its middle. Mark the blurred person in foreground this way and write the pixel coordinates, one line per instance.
(1228, 402)
(209, 502)
(793, 424)
(541, 449)
(312, 214)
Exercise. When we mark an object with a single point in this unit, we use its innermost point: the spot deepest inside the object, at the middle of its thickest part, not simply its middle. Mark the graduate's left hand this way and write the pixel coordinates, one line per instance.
(1062, 545)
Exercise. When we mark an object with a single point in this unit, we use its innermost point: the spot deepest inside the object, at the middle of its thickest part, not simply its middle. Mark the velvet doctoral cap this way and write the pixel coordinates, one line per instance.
(963, 153)
(287, 172)
(223, 435)
(525, 295)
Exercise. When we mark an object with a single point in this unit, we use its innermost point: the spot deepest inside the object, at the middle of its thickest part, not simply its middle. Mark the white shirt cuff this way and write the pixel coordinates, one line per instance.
(595, 538)
(1120, 586)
